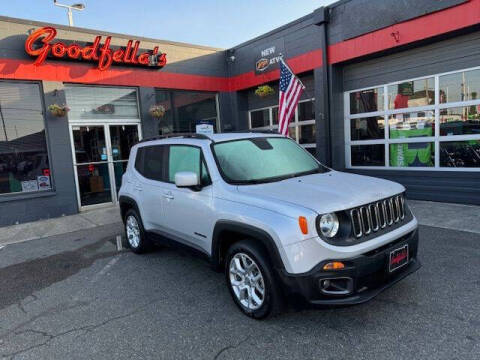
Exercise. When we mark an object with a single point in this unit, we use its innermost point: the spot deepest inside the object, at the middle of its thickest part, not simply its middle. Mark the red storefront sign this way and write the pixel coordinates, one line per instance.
(100, 53)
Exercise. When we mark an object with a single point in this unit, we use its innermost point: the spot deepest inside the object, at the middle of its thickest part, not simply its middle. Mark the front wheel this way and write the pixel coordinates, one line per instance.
(251, 281)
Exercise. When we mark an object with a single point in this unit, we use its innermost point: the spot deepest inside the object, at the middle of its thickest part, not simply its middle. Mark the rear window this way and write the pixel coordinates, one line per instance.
(150, 162)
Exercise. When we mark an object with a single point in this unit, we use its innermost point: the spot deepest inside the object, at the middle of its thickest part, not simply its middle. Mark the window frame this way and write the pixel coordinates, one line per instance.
(436, 139)
(43, 109)
(294, 123)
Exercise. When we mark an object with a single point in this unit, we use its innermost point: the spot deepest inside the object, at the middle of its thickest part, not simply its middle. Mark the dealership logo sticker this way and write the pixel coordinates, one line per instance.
(40, 44)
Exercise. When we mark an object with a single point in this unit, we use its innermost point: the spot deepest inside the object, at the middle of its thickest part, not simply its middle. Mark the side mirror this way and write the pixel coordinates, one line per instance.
(186, 179)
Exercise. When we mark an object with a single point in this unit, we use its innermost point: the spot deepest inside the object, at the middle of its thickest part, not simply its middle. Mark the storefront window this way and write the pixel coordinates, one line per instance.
(24, 164)
(185, 109)
(302, 125)
(364, 101)
(412, 155)
(368, 128)
(411, 94)
(439, 135)
(97, 102)
(368, 155)
(460, 154)
(460, 86)
(306, 110)
(460, 120)
(260, 118)
(416, 124)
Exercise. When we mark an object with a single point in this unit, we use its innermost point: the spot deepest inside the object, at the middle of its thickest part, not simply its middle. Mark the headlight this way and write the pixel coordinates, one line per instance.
(329, 225)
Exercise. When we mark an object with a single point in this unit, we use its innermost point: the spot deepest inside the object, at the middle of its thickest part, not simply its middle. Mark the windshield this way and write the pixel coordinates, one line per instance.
(258, 160)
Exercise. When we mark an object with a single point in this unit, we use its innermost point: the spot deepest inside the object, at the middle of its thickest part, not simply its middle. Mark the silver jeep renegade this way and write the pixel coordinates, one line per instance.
(280, 224)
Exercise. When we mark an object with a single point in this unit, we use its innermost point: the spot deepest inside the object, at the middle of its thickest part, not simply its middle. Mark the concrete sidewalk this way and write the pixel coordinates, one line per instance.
(442, 215)
(63, 225)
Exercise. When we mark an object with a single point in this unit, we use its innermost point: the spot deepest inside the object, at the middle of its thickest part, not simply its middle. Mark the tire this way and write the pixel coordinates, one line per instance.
(137, 240)
(243, 254)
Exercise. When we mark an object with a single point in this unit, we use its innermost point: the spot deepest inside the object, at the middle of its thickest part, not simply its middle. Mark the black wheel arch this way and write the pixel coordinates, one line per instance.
(225, 227)
(126, 202)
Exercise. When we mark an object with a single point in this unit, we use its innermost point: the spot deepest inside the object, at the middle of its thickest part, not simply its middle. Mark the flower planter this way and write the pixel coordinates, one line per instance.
(264, 91)
(58, 110)
(157, 111)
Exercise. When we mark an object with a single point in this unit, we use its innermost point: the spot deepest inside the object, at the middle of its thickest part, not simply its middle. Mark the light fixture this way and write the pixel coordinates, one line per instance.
(77, 6)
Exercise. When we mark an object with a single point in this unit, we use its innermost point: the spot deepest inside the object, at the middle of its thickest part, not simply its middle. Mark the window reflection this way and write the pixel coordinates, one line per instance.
(307, 134)
(411, 94)
(368, 155)
(185, 109)
(461, 86)
(366, 101)
(306, 110)
(24, 164)
(460, 120)
(97, 102)
(414, 124)
(460, 154)
(260, 118)
(367, 128)
(412, 155)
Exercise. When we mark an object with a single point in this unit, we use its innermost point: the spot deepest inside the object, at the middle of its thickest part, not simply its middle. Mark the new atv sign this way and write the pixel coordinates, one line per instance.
(268, 58)
(40, 44)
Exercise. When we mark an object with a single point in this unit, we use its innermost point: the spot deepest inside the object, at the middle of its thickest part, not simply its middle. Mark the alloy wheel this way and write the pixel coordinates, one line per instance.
(133, 231)
(247, 281)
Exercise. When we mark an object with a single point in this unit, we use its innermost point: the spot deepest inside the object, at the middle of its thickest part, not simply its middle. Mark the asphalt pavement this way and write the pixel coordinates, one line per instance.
(74, 296)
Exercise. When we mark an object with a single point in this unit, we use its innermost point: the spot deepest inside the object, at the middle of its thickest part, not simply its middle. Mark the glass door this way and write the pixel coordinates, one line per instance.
(91, 165)
(100, 154)
(122, 138)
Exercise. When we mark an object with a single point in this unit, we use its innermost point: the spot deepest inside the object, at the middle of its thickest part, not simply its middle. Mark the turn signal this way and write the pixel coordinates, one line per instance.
(302, 222)
(334, 265)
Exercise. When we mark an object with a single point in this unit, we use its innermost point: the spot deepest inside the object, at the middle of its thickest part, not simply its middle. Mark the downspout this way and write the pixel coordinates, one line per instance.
(320, 18)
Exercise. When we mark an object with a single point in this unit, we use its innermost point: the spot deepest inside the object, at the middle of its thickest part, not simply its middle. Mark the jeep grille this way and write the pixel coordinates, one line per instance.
(378, 215)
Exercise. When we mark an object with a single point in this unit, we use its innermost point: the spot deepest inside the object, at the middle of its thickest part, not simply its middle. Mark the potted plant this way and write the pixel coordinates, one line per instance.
(157, 111)
(264, 91)
(58, 110)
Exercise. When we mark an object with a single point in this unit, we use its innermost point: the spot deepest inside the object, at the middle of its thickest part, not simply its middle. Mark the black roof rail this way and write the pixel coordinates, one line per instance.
(177, 135)
(261, 131)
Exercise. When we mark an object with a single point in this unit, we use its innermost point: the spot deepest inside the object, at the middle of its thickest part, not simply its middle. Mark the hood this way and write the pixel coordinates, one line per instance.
(322, 193)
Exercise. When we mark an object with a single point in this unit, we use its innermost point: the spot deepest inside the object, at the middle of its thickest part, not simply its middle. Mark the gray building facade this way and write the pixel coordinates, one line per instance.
(392, 90)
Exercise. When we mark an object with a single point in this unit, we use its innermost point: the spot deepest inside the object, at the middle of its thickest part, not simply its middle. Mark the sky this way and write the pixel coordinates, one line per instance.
(216, 23)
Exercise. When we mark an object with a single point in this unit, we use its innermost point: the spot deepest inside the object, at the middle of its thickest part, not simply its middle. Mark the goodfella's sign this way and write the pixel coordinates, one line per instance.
(41, 44)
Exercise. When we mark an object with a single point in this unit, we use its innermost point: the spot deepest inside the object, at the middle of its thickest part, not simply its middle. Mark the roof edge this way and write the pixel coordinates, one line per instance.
(105, 33)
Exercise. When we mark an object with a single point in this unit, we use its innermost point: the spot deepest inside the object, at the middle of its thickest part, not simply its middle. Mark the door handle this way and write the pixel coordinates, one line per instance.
(168, 196)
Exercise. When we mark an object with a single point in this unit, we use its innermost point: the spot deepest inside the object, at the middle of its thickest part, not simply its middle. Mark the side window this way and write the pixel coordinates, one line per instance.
(187, 158)
(153, 161)
(183, 158)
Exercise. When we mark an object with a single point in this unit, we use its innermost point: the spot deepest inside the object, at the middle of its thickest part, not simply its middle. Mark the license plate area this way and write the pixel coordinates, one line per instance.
(398, 258)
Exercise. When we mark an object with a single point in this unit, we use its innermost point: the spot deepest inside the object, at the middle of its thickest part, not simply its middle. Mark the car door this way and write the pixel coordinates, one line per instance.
(188, 212)
(150, 186)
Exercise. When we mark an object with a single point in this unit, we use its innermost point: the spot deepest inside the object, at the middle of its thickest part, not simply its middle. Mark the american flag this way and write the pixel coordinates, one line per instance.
(290, 90)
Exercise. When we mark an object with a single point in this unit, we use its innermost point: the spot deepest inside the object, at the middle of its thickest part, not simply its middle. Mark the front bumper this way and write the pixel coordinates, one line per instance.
(368, 273)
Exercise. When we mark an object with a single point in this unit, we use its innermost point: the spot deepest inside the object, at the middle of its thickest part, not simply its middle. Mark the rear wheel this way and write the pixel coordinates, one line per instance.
(136, 239)
(251, 281)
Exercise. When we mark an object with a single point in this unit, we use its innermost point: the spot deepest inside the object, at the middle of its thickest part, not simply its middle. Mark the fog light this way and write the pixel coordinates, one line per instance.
(334, 265)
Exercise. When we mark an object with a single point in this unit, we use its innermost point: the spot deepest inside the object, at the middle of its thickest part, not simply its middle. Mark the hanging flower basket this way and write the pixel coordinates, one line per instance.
(264, 91)
(58, 110)
(157, 111)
